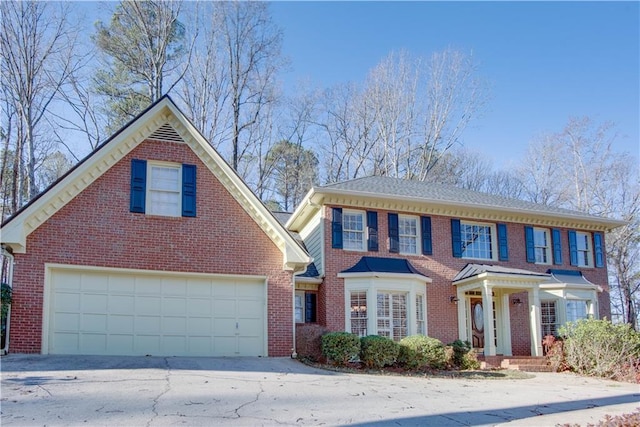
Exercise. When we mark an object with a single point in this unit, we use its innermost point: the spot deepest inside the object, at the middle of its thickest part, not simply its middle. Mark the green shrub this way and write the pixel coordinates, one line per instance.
(600, 348)
(464, 356)
(340, 347)
(377, 351)
(419, 351)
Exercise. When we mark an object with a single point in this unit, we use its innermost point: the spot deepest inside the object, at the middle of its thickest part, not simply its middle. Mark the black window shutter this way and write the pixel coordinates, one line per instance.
(189, 190)
(372, 228)
(394, 242)
(503, 244)
(456, 238)
(557, 247)
(598, 249)
(138, 185)
(573, 247)
(530, 243)
(427, 246)
(309, 308)
(336, 228)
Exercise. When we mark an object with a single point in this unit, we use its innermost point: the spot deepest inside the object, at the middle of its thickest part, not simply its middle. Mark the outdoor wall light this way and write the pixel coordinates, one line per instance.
(516, 301)
(453, 299)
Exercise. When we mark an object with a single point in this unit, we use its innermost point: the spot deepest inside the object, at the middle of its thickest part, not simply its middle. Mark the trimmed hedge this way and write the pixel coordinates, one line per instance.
(378, 352)
(340, 347)
(419, 351)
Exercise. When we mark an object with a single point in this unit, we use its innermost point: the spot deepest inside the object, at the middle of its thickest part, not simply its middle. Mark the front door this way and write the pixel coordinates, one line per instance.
(477, 323)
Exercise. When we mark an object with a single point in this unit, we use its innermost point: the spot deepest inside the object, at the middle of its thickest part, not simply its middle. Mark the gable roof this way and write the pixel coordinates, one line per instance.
(438, 199)
(164, 121)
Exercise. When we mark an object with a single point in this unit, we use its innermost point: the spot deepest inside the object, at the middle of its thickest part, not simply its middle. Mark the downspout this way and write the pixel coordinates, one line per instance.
(9, 256)
(294, 353)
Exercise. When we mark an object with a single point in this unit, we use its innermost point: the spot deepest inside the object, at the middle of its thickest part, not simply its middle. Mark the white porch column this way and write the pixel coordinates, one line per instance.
(506, 325)
(535, 319)
(463, 334)
(487, 311)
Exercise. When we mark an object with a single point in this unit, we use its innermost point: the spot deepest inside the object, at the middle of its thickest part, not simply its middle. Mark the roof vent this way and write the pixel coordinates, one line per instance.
(166, 132)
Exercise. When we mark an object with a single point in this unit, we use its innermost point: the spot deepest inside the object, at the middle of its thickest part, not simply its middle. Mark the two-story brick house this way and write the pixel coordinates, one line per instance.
(398, 258)
(154, 245)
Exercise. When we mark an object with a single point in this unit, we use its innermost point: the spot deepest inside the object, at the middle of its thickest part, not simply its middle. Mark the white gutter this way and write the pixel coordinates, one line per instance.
(294, 353)
(9, 256)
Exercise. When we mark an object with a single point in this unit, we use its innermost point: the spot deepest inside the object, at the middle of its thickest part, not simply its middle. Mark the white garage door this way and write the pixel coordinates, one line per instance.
(113, 313)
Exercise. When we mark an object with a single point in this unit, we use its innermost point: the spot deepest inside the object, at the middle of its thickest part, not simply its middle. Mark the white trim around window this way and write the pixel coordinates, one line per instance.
(584, 246)
(409, 234)
(479, 240)
(164, 189)
(406, 297)
(542, 245)
(354, 230)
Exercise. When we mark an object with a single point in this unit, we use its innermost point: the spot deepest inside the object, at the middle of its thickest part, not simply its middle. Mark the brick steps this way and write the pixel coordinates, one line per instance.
(520, 363)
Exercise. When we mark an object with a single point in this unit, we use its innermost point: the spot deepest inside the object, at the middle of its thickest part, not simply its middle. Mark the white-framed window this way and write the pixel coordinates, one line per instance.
(408, 232)
(164, 195)
(542, 244)
(299, 306)
(549, 318)
(585, 251)
(478, 240)
(353, 229)
(577, 309)
(358, 302)
(420, 322)
(392, 315)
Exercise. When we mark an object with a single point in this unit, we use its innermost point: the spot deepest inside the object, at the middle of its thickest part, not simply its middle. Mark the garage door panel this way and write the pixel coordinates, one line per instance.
(121, 304)
(172, 306)
(93, 343)
(200, 326)
(200, 307)
(93, 303)
(138, 314)
(174, 286)
(148, 305)
(94, 323)
(121, 324)
(68, 302)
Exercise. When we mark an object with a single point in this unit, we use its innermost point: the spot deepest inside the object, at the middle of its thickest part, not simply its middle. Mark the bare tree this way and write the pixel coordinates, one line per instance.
(37, 51)
(578, 168)
(455, 95)
(143, 48)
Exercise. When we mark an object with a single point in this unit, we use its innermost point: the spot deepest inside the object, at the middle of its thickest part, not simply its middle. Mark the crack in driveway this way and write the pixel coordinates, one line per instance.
(167, 388)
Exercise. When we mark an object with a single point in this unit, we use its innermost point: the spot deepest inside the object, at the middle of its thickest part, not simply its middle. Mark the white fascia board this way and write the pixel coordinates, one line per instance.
(492, 212)
(14, 234)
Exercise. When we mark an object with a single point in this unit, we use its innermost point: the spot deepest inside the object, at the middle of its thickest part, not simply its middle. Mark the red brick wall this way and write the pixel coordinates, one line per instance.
(97, 229)
(442, 318)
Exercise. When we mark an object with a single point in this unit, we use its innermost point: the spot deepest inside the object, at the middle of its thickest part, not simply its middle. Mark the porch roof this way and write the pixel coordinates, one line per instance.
(569, 279)
(471, 270)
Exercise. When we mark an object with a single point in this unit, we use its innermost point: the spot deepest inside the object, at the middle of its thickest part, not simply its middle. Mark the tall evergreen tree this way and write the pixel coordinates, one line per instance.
(143, 48)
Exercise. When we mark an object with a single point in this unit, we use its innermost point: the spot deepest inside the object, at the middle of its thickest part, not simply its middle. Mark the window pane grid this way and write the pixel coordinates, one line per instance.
(353, 231)
(476, 241)
(359, 313)
(164, 191)
(548, 315)
(576, 310)
(584, 249)
(408, 235)
(420, 315)
(541, 242)
(392, 315)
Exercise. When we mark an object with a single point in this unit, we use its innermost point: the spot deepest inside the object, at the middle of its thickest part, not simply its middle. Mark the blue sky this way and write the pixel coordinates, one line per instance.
(545, 61)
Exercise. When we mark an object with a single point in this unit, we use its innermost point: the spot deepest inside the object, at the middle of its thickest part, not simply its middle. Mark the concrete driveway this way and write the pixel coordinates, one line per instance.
(155, 391)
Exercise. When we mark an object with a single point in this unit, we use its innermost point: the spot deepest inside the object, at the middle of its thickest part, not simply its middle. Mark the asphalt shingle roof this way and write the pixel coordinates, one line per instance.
(431, 192)
(471, 270)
